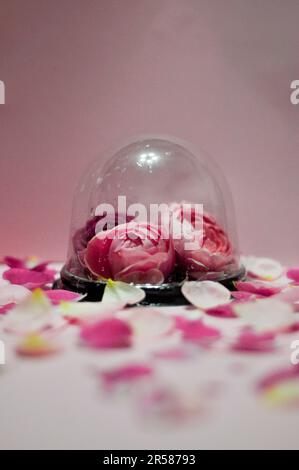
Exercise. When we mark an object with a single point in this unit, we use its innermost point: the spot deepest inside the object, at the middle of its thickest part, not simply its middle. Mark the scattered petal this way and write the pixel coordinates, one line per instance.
(30, 262)
(59, 295)
(279, 376)
(107, 333)
(283, 394)
(33, 314)
(121, 294)
(172, 405)
(12, 294)
(149, 323)
(173, 354)
(257, 287)
(293, 273)
(290, 295)
(262, 268)
(28, 278)
(281, 387)
(240, 295)
(13, 262)
(5, 308)
(249, 341)
(125, 374)
(196, 330)
(36, 345)
(80, 312)
(222, 311)
(205, 294)
(265, 315)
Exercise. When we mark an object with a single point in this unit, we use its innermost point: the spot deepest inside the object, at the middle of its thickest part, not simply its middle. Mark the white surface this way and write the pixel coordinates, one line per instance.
(57, 402)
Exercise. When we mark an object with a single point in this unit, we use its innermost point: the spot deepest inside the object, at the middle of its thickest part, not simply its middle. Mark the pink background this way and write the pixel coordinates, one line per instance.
(82, 76)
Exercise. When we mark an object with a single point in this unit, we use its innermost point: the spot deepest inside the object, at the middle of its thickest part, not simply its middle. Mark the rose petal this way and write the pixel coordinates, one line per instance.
(149, 323)
(167, 403)
(31, 262)
(107, 333)
(12, 294)
(5, 308)
(290, 295)
(262, 268)
(125, 374)
(293, 273)
(174, 353)
(36, 345)
(248, 341)
(196, 330)
(242, 296)
(257, 287)
(281, 387)
(33, 314)
(279, 376)
(286, 393)
(222, 311)
(205, 294)
(121, 294)
(14, 262)
(59, 295)
(28, 278)
(265, 314)
(81, 312)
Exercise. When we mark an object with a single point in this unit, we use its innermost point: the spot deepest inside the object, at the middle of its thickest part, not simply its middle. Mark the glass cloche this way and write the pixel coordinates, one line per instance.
(154, 214)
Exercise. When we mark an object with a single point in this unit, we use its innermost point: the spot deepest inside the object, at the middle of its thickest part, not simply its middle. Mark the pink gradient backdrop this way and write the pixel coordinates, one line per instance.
(81, 76)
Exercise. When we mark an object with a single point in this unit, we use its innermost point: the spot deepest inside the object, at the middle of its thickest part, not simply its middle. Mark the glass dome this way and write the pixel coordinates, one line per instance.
(152, 214)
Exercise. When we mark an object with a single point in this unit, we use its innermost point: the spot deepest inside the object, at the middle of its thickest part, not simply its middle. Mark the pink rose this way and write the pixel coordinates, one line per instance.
(214, 252)
(133, 252)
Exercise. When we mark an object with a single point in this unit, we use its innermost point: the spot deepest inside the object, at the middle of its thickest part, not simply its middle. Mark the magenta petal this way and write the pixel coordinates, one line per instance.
(196, 330)
(128, 374)
(293, 273)
(41, 266)
(257, 288)
(222, 311)
(282, 375)
(107, 333)
(248, 341)
(28, 278)
(292, 328)
(174, 353)
(240, 295)
(13, 262)
(58, 295)
(5, 308)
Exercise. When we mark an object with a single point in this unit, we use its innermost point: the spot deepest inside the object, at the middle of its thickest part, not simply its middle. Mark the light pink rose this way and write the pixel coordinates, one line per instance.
(214, 253)
(133, 252)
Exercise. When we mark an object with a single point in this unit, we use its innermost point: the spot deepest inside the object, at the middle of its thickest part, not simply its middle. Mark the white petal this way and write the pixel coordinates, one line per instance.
(121, 294)
(148, 323)
(35, 312)
(263, 268)
(290, 295)
(12, 294)
(265, 314)
(205, 294)
(83, 310)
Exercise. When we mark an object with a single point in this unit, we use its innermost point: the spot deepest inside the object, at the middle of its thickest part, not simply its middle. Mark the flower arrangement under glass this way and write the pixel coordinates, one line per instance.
(153, 215)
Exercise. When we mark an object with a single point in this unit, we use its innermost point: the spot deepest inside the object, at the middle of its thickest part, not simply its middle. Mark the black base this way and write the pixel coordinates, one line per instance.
(161, 295)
